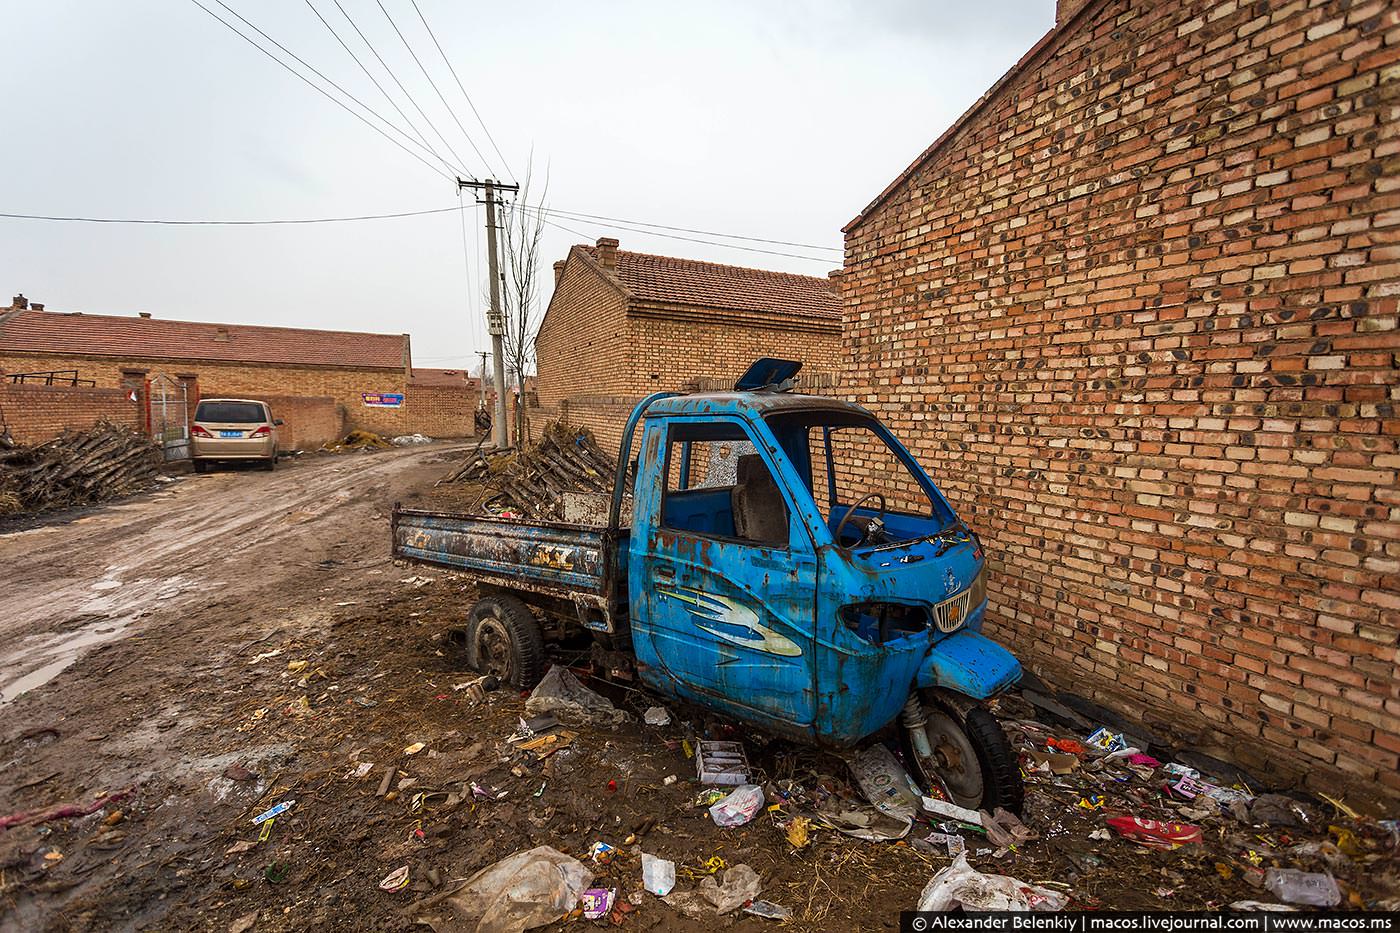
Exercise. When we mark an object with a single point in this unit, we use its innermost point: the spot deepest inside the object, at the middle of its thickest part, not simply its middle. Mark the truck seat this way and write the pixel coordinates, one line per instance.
(760, 514)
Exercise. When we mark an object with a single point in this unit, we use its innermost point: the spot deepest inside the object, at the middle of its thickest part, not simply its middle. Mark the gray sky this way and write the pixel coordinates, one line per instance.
(778, 119)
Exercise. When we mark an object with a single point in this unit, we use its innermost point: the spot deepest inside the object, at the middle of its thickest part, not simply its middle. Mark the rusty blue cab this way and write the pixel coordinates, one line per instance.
(769, 581)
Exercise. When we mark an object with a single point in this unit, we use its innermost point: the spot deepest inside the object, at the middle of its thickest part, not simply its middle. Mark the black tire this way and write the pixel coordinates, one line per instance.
(270, 464)
(997, 781)
(504, 639)
(201, 466)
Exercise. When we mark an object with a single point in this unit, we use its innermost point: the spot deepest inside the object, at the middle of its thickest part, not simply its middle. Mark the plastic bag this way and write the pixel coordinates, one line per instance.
(885, 783)
(560, 692)
(657, 716)
(741, 805)
(741, 885)
(658, 875)
(961, 885)
(1303, 887)
(523, 891)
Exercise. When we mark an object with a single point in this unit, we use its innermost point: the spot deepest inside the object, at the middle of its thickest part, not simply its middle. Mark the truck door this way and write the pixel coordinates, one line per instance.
(723, 574)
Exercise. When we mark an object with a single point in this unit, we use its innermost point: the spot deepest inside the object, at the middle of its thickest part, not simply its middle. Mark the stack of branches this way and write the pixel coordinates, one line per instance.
(532, 483)
(76, 468)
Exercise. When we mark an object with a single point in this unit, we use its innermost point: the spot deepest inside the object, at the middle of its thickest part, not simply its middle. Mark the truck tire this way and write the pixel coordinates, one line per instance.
(990, 779)
(503, 639)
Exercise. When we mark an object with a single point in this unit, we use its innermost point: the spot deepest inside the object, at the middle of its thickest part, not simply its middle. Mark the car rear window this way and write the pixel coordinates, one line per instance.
(230, 412)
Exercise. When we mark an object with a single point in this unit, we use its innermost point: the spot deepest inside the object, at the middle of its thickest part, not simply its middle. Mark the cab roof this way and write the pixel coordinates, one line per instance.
(761, 404)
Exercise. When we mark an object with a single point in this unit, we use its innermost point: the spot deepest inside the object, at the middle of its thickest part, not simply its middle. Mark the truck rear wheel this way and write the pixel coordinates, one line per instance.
(971, 760)
(504, 640)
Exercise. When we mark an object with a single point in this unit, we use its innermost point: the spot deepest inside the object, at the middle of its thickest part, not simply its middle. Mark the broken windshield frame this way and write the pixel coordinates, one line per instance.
(842, 456)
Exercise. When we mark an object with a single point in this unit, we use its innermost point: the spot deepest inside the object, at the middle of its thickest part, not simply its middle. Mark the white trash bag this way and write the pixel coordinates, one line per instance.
(526, 890)
(961, 885)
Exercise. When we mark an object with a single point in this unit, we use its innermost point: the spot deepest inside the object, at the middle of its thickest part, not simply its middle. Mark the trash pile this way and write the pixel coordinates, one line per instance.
(410, 440)
(533, 483)
(76, 468)
(357, 441)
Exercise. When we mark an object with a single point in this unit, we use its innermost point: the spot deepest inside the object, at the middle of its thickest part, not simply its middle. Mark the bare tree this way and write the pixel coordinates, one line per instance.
(523, 230)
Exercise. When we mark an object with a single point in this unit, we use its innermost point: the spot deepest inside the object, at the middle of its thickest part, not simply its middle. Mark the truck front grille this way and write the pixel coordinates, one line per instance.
(950, 614)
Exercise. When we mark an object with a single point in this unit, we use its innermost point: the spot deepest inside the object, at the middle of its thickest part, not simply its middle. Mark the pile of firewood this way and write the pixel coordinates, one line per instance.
(76, 468)
(532, 483)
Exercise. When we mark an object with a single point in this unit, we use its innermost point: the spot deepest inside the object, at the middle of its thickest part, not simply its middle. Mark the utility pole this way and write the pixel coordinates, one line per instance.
(495, 318)
(481, 383)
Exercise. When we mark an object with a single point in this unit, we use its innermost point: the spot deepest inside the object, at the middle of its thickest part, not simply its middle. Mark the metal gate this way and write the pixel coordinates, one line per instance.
(169, 415)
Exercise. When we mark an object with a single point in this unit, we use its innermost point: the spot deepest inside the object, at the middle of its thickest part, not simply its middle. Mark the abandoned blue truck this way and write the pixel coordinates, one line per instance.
(786, 562)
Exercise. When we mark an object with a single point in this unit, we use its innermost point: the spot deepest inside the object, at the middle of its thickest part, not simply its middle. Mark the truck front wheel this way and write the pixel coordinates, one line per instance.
(504, 640)
(969, 757)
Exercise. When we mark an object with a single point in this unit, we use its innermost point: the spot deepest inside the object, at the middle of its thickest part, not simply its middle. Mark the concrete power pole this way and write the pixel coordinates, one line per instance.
(495, 318)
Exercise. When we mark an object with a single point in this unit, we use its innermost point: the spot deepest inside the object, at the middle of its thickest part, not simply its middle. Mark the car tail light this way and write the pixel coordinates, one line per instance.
(200, 431)
(262, 431)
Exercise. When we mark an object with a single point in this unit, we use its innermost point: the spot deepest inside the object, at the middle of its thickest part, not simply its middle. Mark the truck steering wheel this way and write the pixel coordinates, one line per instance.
(845, 519)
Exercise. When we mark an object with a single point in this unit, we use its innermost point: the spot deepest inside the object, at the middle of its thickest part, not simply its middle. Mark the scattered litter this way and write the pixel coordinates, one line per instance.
(658, 875)
(560, 692)
(1107, 741)
(657, 716)
(1260, 905)
(866, 823)
(669, 780)
(414, 749)
(396, 880)
(597, 902)
(410, 440)
(960, 885)
(949, 844)
(417, 580)
(885, 783)
(1279, 810)
(721, 763)
(741, 885)
(1004, 829)
(600, 853)
(242, 845)
(798, 834)
(521, 892)
(1154, 833)
(739, 807)
(1055, 763)
(1314, 889)
(768, 910)
(276, 811)
(951, 811)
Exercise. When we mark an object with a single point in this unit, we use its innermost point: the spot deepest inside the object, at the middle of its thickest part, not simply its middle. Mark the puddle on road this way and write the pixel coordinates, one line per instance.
(38, 659)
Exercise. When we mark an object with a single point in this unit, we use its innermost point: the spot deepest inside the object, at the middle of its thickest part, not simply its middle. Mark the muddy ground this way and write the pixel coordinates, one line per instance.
(155, 649)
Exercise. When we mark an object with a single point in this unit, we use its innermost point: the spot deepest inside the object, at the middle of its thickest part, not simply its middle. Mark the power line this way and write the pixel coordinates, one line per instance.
(392, 103)
(320, 90)
(318, 74)
(411, 99)
(542, 214)
(230, 223)
(448, 62)
(452, 113)
(642, 223)
(673, 236)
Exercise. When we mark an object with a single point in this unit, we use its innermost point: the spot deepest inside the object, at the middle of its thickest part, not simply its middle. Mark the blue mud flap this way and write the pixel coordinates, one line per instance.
(970, 664)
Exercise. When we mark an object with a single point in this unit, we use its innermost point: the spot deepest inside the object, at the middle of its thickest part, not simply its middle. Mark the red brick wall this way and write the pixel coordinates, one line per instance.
(35, 413)
(1138, 317)
(308, 422)
(247, 380)
(441, 411)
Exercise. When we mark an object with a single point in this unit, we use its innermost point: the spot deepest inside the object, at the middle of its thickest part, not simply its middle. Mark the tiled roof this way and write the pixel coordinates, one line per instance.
(439, 378)
(668, 280)
(45, 332)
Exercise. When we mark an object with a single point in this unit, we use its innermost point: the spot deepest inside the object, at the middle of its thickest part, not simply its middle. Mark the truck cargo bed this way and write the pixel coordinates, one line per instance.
(551, 558)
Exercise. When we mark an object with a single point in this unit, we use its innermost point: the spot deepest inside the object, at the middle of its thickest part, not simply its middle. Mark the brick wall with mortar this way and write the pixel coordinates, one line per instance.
(307, 421)
(34, 413)
(1137, 314)
(596, 357)
(251, 380)
(441, 411)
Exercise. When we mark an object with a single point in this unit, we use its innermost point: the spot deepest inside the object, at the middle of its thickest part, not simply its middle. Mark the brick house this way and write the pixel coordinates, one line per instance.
(443, 402)
(1146, 292)
(320, 382)
(621, 325)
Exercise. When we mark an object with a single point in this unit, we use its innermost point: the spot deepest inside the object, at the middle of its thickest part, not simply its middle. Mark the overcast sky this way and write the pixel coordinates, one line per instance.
(772, 119)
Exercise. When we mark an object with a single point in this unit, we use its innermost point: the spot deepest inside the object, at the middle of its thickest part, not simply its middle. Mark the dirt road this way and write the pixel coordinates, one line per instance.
(201, 540)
